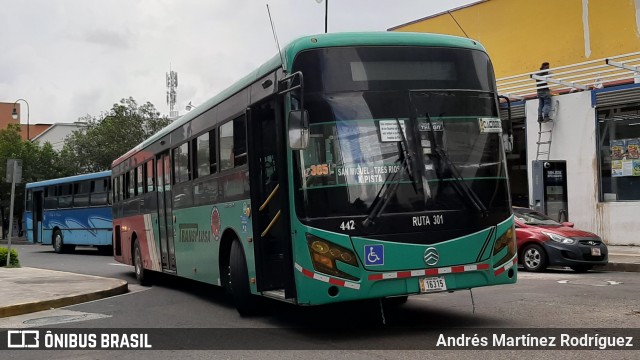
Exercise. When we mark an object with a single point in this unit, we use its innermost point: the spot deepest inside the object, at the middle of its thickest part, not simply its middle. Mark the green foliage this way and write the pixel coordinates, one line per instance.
(90, 149)
(105, 139)
(38, 163)
(13, 262)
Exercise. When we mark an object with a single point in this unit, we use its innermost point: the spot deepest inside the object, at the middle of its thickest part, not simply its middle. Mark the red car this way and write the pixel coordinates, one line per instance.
(544, 242)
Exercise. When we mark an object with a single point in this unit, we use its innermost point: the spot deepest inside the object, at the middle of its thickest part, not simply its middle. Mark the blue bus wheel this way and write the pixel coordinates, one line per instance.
(58, 245)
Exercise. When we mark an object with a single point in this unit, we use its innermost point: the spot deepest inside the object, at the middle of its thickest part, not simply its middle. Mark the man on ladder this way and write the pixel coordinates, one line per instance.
(544, 95)
(545, 110)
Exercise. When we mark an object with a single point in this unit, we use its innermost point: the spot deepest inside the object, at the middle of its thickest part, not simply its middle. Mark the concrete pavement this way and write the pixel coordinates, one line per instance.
(24, 290)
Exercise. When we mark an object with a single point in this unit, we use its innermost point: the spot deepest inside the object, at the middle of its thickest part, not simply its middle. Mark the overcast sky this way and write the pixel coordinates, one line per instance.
(70, 58)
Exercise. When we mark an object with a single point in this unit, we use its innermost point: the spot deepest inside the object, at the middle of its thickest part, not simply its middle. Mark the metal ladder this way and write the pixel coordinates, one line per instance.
(544, 146)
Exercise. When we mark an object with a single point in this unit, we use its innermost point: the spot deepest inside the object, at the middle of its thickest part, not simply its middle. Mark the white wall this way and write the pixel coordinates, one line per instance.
(574, 140)
(57, 133)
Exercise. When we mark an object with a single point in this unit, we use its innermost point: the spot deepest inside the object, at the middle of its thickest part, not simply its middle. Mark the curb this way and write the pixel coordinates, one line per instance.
(624, 267)
(20, 309)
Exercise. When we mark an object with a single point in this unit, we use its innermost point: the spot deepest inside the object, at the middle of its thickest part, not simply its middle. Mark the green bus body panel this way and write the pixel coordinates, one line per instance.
(197, 249)
(464, 250)
(401, 257)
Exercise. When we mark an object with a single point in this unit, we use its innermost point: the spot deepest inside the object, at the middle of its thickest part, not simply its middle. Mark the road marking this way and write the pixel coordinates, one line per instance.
(623, 254)
(48, 317)
(590, 282)
(118, 264)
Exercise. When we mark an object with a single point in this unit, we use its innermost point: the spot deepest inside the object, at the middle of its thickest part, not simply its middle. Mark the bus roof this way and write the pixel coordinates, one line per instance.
(312, 42)
(69, 179)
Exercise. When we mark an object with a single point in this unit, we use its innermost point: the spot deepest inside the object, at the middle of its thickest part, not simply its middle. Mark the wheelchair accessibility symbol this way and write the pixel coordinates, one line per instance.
(374, 254)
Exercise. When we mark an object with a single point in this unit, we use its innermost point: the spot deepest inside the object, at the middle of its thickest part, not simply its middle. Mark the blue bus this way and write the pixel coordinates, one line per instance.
(70, 211)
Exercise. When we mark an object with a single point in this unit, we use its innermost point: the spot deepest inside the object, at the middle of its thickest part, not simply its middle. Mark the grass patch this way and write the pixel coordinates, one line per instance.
(13, 262)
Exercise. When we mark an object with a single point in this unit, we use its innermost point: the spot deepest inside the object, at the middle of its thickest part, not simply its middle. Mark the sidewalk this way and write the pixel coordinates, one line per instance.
(24, 290)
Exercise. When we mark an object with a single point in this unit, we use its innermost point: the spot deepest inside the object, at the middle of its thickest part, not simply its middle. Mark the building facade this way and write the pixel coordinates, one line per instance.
(57, 133)
(593, 47)
(6, 118)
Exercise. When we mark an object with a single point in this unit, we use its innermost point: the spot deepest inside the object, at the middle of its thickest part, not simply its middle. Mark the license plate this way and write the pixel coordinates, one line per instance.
(595, 251)
(432, 284)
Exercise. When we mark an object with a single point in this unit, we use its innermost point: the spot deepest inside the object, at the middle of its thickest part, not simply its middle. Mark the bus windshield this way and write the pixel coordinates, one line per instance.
(388, 142)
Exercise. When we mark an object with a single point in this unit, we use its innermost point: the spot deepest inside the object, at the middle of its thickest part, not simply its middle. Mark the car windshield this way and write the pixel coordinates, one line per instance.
(531, 217)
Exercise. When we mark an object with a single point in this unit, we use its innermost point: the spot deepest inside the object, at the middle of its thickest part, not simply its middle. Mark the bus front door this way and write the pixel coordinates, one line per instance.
(165, 215)
(270, 212)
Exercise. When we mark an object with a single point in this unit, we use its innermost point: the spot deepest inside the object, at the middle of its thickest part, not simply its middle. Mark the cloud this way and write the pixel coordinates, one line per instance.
(70, 58)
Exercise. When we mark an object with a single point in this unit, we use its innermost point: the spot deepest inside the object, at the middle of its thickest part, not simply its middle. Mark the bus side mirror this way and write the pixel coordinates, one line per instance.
(298, 129)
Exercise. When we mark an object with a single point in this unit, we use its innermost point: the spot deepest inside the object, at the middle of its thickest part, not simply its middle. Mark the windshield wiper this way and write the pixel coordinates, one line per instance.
(407, 158)
(390, 185)
(459, 184)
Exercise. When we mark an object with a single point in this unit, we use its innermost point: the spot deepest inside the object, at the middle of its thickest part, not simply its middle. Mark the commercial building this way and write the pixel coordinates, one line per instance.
(593, 47)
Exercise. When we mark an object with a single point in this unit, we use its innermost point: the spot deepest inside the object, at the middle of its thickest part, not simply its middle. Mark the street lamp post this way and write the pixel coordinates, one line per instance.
(14, 115)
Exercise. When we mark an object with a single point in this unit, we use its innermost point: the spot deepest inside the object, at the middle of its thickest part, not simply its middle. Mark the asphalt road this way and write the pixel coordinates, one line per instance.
(556, 299)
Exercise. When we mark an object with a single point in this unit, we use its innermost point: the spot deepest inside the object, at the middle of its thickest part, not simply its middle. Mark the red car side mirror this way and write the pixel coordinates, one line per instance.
(567, 224)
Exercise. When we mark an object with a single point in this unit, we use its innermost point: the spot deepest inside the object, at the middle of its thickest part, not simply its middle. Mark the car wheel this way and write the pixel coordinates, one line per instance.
(582, 268)
(142, 275)
(58, 244)
(534, 258)
(245, 302)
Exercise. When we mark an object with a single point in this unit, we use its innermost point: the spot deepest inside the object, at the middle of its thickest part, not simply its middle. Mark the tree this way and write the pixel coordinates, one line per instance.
(106, 138)
(38, 163)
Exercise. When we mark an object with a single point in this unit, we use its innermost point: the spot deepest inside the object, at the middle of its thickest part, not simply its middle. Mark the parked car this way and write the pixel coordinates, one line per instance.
(544, 242)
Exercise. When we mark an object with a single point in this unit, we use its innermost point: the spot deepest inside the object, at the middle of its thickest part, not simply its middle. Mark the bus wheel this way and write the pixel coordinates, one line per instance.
(142, 275)
(239, 281)
(58, 244)
(396, 300)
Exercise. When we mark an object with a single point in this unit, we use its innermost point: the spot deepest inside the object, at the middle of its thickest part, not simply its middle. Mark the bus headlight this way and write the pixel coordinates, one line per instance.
(507, 240)
(325, 254)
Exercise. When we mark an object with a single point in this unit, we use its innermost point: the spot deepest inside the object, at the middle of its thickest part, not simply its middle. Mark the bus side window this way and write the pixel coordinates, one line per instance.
(213, 151)
(140, 180)
(99, 192)
(226, 146)
(51, 198)
(181, 163)
(29, 204)
(132, 183)
(81, 192)
(150, 177)
(240, 141)
(201, 156)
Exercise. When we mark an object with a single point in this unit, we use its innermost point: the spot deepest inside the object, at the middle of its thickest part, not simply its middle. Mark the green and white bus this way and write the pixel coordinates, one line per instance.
(350, 166)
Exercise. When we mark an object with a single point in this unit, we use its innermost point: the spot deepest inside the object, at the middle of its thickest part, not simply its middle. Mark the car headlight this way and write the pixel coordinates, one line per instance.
(325, 254)
(508, 240)
(559, 238)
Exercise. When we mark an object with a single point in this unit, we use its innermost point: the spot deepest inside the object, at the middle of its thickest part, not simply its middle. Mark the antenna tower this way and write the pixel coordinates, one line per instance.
(172, 94)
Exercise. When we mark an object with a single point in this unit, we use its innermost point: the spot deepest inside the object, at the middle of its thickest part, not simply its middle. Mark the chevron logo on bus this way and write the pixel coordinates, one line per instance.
(431, 256)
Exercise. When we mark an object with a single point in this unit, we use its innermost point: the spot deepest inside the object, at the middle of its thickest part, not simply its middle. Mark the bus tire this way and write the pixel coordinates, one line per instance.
(395, 301)
(58, 242)
(244, 301)
(142, 275)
